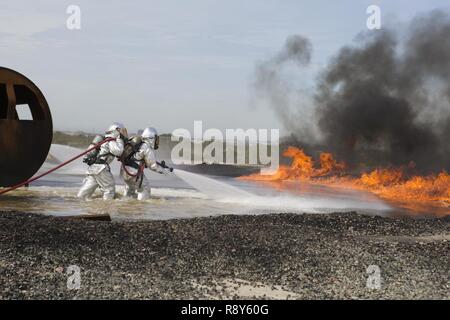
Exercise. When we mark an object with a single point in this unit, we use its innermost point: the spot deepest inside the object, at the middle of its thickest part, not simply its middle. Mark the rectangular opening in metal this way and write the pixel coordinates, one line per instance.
(24, 112)
(3, 101)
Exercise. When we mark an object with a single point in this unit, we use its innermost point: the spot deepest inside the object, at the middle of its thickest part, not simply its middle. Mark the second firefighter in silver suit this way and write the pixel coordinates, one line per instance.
(136, 183)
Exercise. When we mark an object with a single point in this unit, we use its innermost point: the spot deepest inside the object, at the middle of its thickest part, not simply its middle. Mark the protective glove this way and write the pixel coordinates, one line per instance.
(166, 168)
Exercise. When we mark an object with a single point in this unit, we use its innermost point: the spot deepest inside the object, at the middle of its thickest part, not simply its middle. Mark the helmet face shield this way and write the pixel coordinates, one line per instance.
(156, 145)
(150, 134)
(124, 132)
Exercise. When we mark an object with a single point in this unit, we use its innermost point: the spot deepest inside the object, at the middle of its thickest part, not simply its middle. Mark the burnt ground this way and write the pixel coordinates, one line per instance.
(277, 256)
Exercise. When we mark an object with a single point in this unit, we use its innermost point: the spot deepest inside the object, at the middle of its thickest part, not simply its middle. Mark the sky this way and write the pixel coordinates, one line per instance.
(167, 63)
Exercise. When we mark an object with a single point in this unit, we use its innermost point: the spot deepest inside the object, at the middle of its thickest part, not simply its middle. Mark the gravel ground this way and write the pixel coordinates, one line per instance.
(279, 256)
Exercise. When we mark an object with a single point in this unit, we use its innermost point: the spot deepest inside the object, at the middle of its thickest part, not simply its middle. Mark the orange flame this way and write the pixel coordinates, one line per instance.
(390, 184)
(302, 167)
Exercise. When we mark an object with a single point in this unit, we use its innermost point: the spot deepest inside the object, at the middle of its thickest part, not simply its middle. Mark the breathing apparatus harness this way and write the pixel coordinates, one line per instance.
(95, 157)
(132, 146)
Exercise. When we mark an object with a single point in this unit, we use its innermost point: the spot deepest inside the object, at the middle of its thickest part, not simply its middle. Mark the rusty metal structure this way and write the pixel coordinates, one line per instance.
(24, 143)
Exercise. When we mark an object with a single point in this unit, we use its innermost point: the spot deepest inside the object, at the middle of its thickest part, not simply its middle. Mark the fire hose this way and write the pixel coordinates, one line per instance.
(56, 168)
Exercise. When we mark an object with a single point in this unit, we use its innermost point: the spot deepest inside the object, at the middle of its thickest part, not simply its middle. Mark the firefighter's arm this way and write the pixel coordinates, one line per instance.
(116, 147)
(150, 161)
(140, 154)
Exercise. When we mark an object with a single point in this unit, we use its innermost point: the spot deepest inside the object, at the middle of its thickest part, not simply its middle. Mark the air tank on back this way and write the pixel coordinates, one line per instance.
(24, 143)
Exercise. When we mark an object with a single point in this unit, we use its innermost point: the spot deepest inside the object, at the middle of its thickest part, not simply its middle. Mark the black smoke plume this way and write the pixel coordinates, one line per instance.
(385, 98)
(271, 85)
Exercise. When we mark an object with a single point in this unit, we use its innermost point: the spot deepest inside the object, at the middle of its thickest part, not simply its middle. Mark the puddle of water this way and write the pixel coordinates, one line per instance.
(167, 203)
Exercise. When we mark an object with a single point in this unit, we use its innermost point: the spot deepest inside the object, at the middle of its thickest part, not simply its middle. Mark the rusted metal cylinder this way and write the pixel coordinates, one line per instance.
(24, 144)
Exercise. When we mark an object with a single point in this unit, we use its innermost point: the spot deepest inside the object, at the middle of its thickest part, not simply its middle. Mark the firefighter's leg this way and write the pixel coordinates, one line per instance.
(88, 187)
(130, 184)
(107, 184)
(144, 189)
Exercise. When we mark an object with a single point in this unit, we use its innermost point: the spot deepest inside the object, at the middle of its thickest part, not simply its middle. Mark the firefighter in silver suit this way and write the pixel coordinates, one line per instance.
(99, 172)
(142, 157)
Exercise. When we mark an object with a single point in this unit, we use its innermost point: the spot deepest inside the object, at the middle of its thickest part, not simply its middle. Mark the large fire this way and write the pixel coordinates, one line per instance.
(393, 184)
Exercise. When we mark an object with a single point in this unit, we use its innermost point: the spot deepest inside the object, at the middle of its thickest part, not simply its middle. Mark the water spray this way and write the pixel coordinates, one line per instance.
(211, 187)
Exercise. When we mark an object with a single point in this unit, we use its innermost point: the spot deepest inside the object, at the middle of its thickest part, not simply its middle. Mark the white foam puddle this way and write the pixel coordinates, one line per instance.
(313, 204)
(212, 188)
(228, 194)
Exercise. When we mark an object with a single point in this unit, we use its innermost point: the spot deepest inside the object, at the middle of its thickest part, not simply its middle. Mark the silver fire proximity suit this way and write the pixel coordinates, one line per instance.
(99, 174)
(132, 171)
(139, 183)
